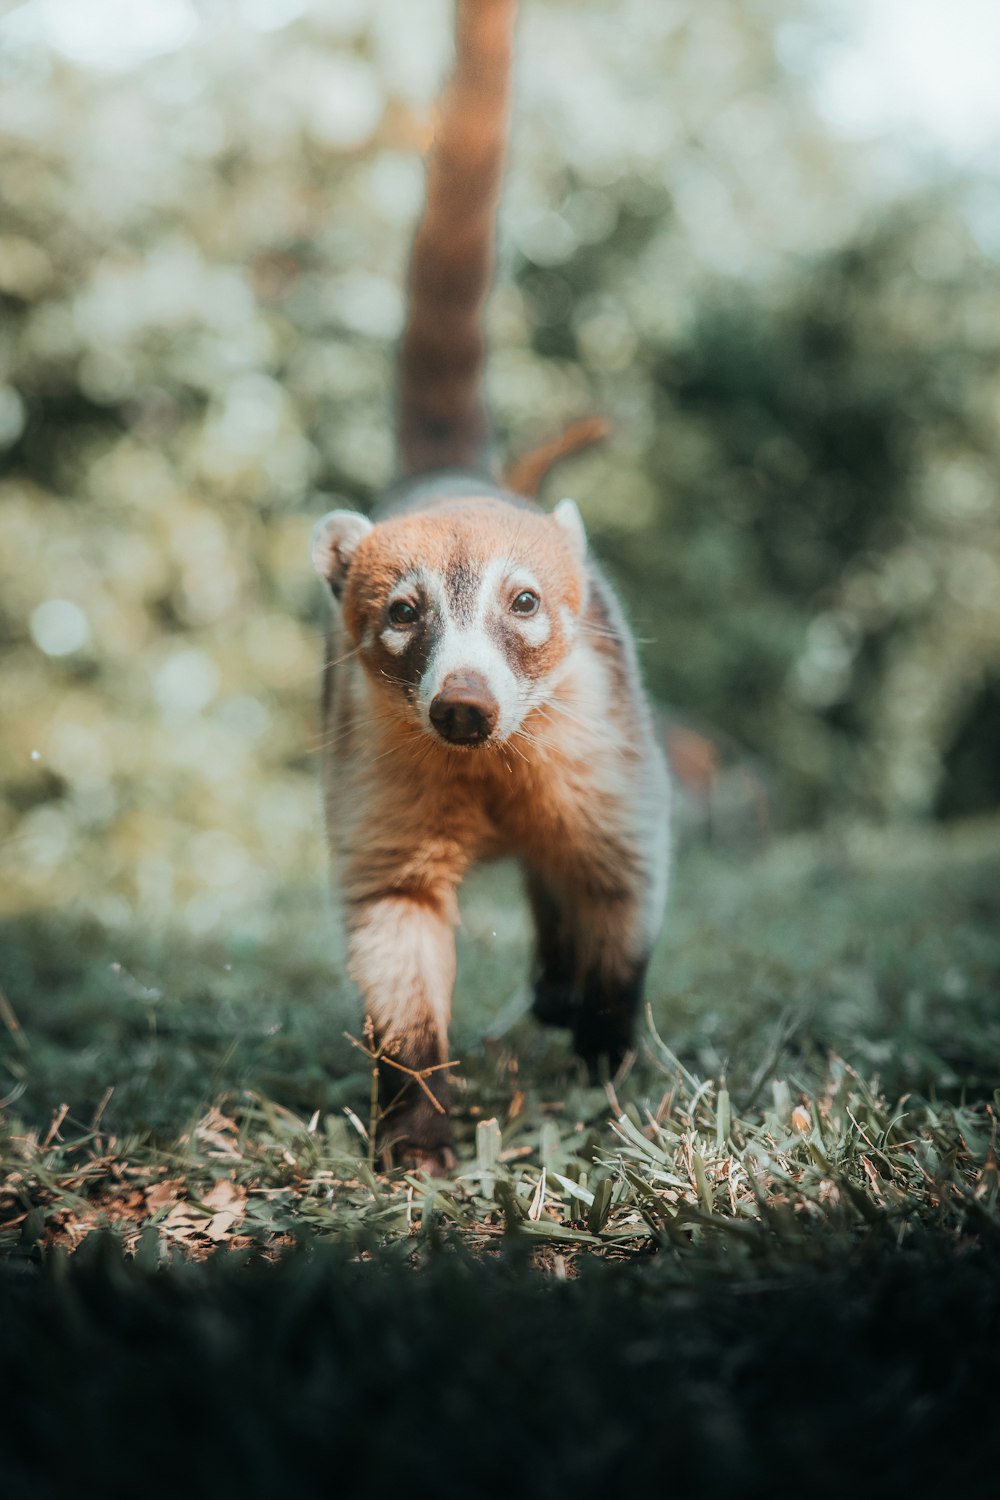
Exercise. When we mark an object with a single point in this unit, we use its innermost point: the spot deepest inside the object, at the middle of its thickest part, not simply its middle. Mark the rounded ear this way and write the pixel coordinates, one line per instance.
(568, 517)
(334, 542)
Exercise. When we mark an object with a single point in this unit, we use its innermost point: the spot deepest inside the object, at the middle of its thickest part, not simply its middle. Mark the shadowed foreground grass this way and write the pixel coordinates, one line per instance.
(767, 1255)
(869, 1373)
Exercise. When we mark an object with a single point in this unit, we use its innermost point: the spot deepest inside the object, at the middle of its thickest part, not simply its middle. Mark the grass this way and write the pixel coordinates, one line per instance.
(780, 1225)
(834, 1041)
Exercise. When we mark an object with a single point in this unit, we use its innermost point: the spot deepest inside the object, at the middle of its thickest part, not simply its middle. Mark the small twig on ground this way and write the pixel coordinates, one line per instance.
(418, 1074)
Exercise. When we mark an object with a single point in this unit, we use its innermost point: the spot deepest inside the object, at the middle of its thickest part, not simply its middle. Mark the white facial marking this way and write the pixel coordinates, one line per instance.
(471, 648)
(395, 640)
(535, 629)
(522, 579)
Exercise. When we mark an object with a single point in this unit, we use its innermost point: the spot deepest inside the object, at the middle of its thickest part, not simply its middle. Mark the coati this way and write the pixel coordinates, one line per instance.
(481, 694)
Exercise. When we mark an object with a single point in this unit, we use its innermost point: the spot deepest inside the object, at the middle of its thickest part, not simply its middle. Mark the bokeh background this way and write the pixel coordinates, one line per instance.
(762, 238)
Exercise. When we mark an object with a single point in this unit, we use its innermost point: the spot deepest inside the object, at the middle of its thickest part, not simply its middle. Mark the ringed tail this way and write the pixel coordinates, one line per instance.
(442, 421)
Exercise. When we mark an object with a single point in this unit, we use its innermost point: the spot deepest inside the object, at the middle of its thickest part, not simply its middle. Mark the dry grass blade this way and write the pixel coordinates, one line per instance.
(682, 1171)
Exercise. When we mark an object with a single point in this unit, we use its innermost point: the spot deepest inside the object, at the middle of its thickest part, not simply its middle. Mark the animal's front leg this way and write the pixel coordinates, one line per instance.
(590, 970)
(556, 1000)
(401, 954)
(611, 990)
(596, 923)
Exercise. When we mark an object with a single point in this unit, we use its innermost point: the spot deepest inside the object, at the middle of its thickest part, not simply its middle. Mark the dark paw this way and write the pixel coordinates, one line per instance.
(602, 1043)
(439, 1162)
(414, 1133)
(554, 1003)
(605, 1024)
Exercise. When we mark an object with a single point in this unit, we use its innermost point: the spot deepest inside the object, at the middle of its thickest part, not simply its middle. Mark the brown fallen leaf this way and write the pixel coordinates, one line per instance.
(163, 1194)
(218, 1130)
(182, 1222)
(229, 1201)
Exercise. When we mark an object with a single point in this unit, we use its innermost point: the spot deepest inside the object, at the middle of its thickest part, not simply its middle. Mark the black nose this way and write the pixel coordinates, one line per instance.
(464, 712)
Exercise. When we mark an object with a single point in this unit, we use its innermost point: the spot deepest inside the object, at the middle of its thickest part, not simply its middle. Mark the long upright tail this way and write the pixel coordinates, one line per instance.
(442, 421)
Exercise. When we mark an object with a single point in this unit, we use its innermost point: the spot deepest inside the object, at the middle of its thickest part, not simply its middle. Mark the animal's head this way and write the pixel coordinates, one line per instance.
(464, 612)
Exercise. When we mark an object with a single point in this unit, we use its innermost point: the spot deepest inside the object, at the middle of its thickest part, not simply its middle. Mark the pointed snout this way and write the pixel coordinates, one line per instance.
(464, 711)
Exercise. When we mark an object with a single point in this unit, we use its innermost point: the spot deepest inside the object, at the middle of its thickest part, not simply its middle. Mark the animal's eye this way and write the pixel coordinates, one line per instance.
(403, 613)
(526, 603)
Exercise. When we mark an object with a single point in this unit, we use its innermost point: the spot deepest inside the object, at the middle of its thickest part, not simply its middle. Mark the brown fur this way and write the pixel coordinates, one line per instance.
(526, 473)
(432, 539)
(465, 605)
(569, 794)
(442, 416)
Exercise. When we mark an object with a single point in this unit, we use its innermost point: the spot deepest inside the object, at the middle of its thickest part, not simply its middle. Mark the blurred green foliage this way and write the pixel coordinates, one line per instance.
(200, 273)
(826, 567)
